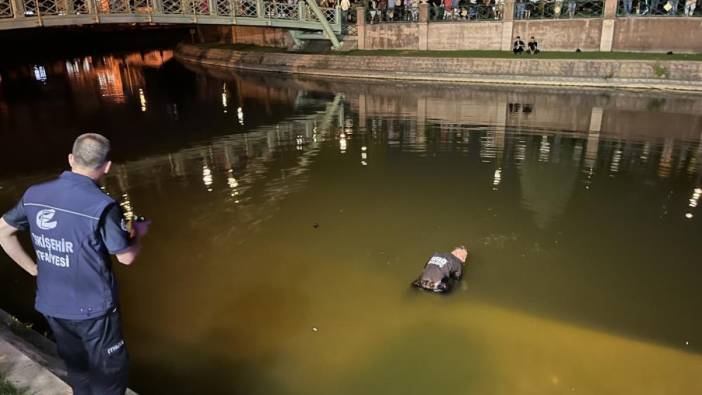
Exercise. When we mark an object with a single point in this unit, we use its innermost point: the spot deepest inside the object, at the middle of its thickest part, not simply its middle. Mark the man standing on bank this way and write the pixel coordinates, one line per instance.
(74, 228)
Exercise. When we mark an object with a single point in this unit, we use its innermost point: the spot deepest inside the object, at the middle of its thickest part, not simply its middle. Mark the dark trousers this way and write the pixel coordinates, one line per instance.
(94, 353)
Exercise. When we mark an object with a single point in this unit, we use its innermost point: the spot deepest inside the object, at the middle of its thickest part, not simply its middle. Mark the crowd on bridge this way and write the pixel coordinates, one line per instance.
(378, 11)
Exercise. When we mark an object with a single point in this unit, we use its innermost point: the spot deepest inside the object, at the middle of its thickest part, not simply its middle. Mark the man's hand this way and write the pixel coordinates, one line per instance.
(140, 229)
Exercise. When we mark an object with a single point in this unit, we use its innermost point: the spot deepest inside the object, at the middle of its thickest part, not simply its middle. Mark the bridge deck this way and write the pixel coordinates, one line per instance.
(305, 15)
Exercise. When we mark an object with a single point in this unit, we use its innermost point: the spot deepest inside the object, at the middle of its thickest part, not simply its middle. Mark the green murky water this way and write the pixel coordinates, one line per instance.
(580, 209)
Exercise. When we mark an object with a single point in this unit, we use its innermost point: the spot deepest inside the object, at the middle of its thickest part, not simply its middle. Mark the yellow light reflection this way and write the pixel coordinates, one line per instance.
(207, 178)
(342, 143)
(240, 116)
(497, 179)
(233, 184)
(225, 95)
(544, 149)
(126, 205)
(142, 100)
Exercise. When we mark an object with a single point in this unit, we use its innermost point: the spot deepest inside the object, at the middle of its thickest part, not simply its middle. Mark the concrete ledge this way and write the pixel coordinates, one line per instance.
(29, 359)
(25, 365)
(622, 74)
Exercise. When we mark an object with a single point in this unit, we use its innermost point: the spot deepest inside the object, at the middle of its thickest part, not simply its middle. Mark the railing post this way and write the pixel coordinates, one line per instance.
(260, 9)
(607, 34)
(361, 27)
(38, 13)
(423, 27)
(610, 9)
(158, 7)
(507, 25)
(301, 11)
(18, 9)
(210, 8)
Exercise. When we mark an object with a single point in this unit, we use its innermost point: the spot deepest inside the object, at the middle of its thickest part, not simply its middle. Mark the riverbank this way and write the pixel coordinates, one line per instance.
(28, 362)
(643, 74)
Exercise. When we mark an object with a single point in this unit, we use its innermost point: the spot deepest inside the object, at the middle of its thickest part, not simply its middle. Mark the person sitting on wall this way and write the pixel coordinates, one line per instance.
(533, 46)
(441, 268)
(518, 46)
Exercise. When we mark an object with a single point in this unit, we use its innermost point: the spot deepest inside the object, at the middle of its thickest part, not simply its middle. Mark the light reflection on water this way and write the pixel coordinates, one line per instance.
(582, 225)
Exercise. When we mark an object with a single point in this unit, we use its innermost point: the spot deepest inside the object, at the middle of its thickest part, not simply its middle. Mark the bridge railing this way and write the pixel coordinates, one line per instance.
(28, 13)
(6, 10)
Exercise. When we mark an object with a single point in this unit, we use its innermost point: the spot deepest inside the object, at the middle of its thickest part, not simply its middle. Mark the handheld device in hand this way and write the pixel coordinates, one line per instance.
(130, 224)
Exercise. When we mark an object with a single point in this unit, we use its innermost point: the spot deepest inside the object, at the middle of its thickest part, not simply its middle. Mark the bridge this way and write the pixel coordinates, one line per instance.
(305, 17)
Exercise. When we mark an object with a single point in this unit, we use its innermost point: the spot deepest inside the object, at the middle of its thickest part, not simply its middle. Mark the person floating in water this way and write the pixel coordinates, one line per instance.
(440, 268)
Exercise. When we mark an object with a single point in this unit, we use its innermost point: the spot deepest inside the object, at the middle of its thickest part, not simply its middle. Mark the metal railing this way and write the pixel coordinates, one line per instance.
(468, 12)
(658, 8)
(395, 15)
(464, 11)
(330, 14)
(6, 9)
(282, 11)
(298, 15)
(246, 8)
(122, 7)
(558, 9)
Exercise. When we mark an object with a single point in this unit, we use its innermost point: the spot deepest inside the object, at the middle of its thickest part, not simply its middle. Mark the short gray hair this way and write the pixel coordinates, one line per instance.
(90, 150)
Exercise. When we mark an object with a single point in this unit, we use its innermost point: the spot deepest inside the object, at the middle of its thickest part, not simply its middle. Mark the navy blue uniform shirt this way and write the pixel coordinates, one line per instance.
(74, 227)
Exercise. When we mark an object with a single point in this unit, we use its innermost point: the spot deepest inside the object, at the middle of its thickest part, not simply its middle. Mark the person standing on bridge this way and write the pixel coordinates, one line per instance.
(345, 6)
(74, 228)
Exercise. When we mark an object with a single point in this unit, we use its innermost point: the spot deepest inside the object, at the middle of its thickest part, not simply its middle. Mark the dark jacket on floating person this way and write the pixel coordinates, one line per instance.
(440, 268)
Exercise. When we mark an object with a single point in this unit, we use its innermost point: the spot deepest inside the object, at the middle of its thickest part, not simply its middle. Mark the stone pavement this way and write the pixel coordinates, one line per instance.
(25, 366)
(29, 360)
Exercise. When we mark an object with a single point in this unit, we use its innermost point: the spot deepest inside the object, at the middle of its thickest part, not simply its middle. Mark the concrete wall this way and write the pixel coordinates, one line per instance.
(392, 36)
(562, 34)
(255, 35)
(607, 33)
(264, 36)
(658, 34)
(635, 74)
(465, 36)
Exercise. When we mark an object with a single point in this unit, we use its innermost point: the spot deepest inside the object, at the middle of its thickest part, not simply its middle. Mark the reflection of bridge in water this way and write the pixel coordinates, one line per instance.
(306, 15)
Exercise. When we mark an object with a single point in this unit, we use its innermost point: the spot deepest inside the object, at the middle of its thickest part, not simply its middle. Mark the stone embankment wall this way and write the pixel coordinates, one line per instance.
(673, 75)
(606, 33)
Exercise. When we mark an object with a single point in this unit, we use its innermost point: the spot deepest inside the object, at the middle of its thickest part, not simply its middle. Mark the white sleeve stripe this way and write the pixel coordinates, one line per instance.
(61, 209)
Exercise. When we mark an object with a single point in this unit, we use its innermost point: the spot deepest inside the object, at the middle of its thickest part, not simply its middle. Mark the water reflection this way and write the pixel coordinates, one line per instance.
(266, 229)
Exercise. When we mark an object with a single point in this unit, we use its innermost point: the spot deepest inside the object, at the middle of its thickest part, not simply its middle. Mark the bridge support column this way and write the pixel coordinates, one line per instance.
(361, 27)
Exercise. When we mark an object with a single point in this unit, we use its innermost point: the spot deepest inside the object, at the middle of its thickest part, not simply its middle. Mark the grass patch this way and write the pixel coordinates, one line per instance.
(477, 54)
(542, 55)
(6, 388)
